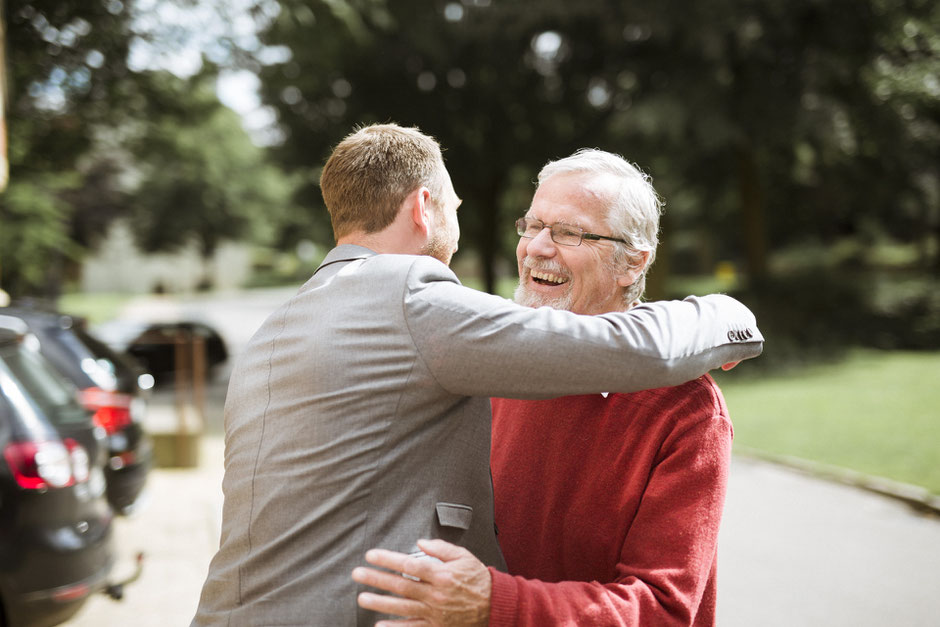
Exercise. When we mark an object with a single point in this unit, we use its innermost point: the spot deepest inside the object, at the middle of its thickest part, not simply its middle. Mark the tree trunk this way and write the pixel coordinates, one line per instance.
(936, 248)
(930, 242)
(753, 222)
(490, 243)
(52, 284)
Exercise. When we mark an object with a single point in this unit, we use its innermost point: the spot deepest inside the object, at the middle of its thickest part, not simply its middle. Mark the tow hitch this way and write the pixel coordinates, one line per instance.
(116, 590)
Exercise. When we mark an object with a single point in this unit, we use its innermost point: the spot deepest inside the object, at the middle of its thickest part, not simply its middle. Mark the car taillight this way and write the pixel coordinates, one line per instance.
(112, 409)
(40, 465)
(113, 419)
(78, 456)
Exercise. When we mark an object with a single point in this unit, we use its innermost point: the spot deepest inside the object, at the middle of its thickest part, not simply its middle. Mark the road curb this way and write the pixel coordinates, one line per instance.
(914, 496)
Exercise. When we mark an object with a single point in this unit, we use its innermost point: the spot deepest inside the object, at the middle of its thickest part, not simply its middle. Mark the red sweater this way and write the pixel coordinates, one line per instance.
(608, 508)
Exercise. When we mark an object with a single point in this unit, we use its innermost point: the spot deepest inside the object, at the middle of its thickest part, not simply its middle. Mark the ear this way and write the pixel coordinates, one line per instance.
(630, 275)
(419, 202)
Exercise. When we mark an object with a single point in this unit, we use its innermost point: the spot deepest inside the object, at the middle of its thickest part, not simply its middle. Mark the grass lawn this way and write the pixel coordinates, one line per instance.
(876, 412)
(96, 307)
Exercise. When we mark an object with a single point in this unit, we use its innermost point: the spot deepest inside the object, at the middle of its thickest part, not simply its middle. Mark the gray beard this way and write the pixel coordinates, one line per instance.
(526, 298)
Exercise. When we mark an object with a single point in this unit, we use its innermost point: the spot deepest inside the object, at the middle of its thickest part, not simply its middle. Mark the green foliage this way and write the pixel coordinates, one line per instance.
(65, 61)
(819, 316)
(875, 412)
(274, 268)
(474, 83)
(93, 139)
(202, 177)
(34, 240)
(66, 65)
(766, 123)
(766, 120)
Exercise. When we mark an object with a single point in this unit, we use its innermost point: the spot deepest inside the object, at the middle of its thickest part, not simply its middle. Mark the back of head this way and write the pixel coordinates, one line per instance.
(633, 213)
(372, 171)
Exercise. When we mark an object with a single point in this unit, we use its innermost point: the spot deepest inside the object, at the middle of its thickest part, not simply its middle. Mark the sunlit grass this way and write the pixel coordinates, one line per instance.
(877, 413)
(95, 307)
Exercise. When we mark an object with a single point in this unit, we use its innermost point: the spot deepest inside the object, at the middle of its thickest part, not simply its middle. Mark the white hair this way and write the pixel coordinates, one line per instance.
(633, 214)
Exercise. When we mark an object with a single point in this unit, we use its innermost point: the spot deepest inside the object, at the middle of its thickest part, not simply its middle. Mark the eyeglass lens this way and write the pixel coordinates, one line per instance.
(564, 234)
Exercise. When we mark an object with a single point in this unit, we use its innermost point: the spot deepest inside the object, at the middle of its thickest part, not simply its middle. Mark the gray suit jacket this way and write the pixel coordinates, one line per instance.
(359, 417)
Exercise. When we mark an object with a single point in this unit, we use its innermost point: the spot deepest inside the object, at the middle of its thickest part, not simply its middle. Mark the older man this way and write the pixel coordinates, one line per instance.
(358, 416)
(608, 505)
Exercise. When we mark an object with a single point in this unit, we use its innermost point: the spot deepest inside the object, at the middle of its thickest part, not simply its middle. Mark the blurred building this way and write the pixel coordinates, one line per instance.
(120, 266)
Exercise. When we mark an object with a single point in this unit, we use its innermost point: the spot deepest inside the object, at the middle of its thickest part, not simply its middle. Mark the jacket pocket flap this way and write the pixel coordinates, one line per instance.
(453, 515)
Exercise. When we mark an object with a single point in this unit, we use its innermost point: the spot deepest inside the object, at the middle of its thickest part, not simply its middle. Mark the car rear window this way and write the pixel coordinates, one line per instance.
(99, 348)
(99, 368)
(19, 416)
(54, 396)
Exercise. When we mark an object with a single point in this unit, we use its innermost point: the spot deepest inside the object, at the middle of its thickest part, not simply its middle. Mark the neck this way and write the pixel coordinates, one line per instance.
(404, 236)
(396, 238)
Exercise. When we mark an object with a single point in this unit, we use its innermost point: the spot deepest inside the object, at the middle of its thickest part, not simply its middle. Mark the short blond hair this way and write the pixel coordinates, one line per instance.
(372, 171)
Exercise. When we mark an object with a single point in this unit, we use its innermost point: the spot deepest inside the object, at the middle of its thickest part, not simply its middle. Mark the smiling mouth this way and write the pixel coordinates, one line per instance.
(547, 278)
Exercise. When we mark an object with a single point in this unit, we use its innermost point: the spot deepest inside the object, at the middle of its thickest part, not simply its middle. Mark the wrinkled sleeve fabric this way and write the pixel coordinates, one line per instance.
(477, 344)
(667, 556)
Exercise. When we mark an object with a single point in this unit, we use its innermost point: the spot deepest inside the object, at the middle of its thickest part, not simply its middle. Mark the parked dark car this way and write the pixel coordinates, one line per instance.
(111, 385)
(55, 523)
(154, 344)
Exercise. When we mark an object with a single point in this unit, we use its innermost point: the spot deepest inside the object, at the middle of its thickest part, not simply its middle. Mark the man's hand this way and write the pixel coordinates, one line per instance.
(454, 592)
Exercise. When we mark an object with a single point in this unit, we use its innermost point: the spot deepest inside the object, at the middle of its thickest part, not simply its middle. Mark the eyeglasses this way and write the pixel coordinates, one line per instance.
(564, 234)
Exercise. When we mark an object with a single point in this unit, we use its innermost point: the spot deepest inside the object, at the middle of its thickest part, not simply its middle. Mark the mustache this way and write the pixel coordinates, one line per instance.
(543, 265)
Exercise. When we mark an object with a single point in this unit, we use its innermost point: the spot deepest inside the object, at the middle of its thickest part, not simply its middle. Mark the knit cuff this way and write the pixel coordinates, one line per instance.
(504, 597)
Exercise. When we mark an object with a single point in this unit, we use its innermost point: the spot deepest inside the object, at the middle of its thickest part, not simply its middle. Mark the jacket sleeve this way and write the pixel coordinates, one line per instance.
(477, 344)
(667, 557)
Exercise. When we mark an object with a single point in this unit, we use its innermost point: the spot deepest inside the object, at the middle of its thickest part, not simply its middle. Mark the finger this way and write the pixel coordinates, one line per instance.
(390, 582)
(393, 560)
(403, 622)
(444, 551)
(400, 562)
(391, 605)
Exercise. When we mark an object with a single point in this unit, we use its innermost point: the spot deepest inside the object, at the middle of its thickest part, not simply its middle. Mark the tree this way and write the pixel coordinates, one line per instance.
(200, 175)
(469, 75)
(65, 61)
(93, 139)
(760, 117)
